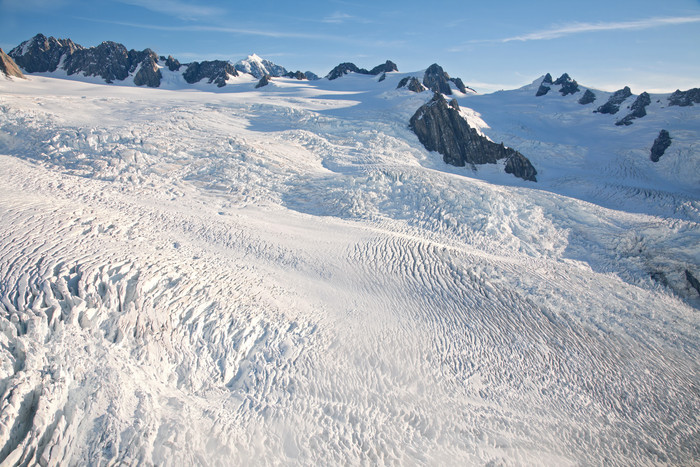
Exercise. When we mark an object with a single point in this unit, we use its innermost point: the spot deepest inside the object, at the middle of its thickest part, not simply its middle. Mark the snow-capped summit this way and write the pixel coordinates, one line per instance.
(259, 67)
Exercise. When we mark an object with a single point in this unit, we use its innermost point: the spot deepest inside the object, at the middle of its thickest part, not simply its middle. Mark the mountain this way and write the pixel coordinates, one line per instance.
(259, 67)
(8, 67)
(294, 275)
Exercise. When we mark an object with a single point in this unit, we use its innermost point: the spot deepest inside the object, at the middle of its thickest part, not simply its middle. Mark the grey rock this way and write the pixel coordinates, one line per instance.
(661, 143)
(215, 71)
(311, 76)
(381, 78)
(692, 280)
(612, 106)
(412, 84)
(172, 63)
(460, 84)
(437, 80)
(454, 104)
(547, 79)
(386, 67)
(587, 98)
(638, 109)
(542, 90)
(148, 74)
(296, 75)
(8, 67)
(343, 69)
(109, 60)
(568, 85)
(565, 78)
(264, 81)
(441, 128)
(41, 54)
(684, 98)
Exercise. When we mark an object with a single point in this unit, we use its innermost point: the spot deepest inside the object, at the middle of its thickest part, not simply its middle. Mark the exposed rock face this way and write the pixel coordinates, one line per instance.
(259, 67)
(441, 128)
(381, 78)
(412, 84)
(638, 109)
(437, 80)
(41, 54)
(460, 84)
(311, 76)
(568, 85)
(347, 67)
(520, 166)
(108, 60)
(684, 98)
(612, 106)
(386, 67)
(296, 75)
(172, 63)
(264, 81)
(692, 280)
(216, 71)
(542, 90)
(587, 98)
(148, 74)
(454, 104)
(8, 67)
(661, 143)
(547, 79)
(343, 69)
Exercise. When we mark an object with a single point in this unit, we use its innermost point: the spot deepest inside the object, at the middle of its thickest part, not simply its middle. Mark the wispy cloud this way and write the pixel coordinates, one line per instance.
(177, 8)
(340, 17)
(578, 28)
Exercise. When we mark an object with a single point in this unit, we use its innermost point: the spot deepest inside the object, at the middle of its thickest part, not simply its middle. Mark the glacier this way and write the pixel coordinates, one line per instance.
(210, 276)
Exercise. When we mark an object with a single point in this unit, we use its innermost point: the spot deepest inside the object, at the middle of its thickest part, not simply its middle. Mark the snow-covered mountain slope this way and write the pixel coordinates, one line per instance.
(284, 275)
(259, 67)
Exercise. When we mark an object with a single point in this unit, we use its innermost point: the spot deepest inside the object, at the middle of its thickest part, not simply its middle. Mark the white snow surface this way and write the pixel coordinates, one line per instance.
(232, 276)
(259, 67)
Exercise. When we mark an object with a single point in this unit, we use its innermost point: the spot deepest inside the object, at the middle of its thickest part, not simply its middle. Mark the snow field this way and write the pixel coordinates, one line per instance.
(221, 278)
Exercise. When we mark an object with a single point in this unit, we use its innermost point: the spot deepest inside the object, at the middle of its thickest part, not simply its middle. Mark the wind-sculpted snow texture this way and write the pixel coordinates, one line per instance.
(231, 276)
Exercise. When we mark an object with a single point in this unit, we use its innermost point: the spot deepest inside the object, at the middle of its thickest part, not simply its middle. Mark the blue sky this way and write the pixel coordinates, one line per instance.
(648, 45)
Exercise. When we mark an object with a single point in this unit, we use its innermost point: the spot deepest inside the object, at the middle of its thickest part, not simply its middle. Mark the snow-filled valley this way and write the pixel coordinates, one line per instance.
(284, 275)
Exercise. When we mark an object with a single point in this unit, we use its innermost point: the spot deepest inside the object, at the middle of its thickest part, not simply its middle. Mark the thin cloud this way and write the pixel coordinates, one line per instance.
(340, 17)
(176, 8)
(578, 28)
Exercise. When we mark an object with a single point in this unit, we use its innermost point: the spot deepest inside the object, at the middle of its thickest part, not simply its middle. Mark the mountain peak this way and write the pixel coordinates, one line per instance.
(257, 66)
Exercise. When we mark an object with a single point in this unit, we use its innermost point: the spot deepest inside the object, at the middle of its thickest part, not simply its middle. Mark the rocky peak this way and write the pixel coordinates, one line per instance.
(568, 85)
(638, 109)
(437, 80)
(8, 67)
(42, 54)
(216, 71)
(547, 79)
(587, 98)
(109, 60)
(343, 69)
(411, 83)
(148, 73)
(684, 98)
(296, 75)
(264, 81)
(440, 127)
(259, 67)
(311, 76)
(612, 106)
(386, 67)
(172, 63)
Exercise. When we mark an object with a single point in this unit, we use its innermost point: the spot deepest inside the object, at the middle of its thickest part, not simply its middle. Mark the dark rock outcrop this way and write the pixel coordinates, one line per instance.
(311, 76)
(587, 98)
(542, 90)
(295, 75)
(460, 84)
(215, 71)
(692, 280)
(172, 63)
(568, 85)
(547, 79)
(148, 74)
(343, 69)
(264, 81)
(684, 98)
(441, 128)
(612, 106)
(42, 54)
(386, 67)
(437, 80)
(109, 60)
(661, 143)
(454, 104)
(381, 78)
(8, 67)
(638, 109)
(411, 83)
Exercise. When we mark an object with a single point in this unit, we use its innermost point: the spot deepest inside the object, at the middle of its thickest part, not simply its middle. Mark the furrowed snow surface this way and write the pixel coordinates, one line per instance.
(284, 275)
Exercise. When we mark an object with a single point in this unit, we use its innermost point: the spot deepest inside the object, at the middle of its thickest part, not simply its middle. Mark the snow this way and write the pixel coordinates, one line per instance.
(203, 275)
